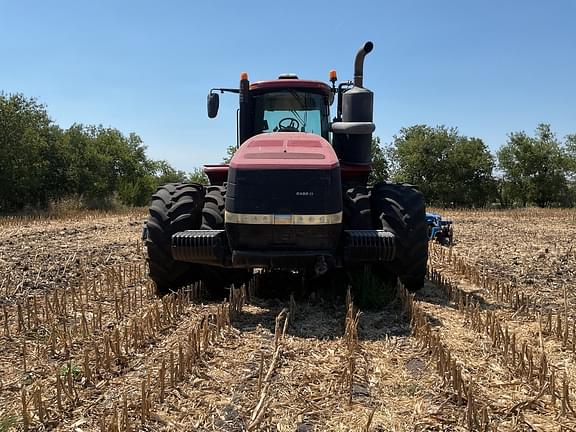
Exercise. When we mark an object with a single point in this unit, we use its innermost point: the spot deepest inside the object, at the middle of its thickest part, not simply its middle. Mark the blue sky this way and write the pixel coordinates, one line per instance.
(486, 67)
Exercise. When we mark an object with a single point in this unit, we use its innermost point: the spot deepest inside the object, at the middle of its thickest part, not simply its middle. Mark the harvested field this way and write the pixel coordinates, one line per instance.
(488, 344)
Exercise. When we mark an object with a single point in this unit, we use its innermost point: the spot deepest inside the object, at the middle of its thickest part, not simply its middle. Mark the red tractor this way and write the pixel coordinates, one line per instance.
(294, 197)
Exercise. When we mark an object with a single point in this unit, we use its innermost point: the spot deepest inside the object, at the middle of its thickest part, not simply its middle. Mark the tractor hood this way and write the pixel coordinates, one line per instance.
(284, 193)
(285, 150)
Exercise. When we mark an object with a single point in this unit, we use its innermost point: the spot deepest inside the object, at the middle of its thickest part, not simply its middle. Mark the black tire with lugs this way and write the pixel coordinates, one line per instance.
(401, 209)
(175, 207)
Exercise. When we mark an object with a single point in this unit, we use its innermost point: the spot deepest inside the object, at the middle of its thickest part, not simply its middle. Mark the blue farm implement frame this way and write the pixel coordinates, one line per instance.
(440, 230)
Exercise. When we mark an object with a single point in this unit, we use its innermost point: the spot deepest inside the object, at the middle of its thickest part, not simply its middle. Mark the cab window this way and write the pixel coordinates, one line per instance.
(291, 111)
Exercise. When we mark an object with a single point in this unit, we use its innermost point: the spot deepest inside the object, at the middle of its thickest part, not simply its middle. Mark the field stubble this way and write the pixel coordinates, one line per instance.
(487, 345)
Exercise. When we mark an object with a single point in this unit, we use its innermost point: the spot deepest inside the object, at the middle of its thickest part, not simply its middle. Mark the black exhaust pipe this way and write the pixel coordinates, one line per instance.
(359, 63)
(352, 138)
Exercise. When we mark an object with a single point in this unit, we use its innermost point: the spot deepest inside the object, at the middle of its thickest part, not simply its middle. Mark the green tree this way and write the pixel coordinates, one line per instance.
(536, 169)
(570, 160)
(29, 145)
(450, 169)
(41, 162)
(198, 176)
(105, 163)
(230, 150)
(470, 180)
(165, 173)
(380, 171)
(569, 151)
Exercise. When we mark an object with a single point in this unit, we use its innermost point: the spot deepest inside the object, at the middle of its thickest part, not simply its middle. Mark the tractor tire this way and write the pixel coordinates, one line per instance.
(218, 279)
(213, 210)
(356, 208)
(401, 209)
(370, 287)
(446, 236)
(450, 236)
(175, 207)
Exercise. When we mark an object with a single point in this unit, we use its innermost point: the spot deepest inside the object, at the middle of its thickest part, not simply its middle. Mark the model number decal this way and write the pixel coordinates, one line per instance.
(306, 194)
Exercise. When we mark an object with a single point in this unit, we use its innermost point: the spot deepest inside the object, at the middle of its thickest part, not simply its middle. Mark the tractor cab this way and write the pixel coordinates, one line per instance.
(286, 104)
(290, 105)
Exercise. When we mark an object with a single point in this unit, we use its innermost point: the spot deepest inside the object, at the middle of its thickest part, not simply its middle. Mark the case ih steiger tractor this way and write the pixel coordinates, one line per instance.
(294, 197)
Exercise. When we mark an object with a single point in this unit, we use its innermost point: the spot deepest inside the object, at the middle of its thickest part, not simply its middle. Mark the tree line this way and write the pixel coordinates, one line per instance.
(456, 170)
(41, 163)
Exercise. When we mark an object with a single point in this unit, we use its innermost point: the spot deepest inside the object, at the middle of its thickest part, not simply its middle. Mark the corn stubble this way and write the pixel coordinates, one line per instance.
(491, 308)
(105, 354)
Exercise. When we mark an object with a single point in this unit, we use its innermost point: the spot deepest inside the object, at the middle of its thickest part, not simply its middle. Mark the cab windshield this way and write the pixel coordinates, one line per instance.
(291, 111)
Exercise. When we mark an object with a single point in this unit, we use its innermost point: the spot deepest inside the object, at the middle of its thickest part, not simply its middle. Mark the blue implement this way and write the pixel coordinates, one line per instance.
(439, 230)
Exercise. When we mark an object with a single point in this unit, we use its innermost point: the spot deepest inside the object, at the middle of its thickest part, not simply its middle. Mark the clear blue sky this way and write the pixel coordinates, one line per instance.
(486, 67)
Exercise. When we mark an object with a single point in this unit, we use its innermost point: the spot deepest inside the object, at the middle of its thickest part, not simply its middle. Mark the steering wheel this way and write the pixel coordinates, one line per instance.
(288, 124)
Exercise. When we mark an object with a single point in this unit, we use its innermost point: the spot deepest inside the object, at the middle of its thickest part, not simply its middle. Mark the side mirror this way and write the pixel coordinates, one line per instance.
(213, 104)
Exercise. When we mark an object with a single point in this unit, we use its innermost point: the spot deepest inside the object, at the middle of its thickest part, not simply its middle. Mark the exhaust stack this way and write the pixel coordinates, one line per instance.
(359, 63)
(353, 134)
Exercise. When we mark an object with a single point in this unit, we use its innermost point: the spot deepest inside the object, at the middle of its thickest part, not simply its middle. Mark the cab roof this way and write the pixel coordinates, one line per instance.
(292, 83)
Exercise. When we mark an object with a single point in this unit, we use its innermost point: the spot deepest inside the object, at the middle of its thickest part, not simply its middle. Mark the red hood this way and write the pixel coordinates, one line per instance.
(285, 150)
